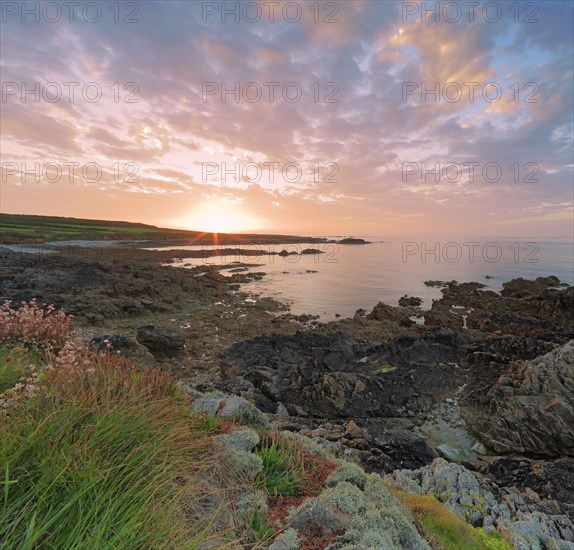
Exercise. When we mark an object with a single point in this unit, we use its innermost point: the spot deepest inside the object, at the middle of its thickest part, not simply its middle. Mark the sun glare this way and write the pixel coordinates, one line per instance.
(219, 217)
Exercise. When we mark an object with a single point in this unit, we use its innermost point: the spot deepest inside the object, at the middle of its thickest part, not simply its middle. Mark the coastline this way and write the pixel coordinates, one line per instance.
(385, 391)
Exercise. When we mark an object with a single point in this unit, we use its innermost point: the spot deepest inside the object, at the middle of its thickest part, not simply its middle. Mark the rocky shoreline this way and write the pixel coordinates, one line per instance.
(475, 406)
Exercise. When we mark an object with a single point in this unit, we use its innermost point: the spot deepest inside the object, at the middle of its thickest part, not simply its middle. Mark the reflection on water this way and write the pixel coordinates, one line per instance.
(349, 277)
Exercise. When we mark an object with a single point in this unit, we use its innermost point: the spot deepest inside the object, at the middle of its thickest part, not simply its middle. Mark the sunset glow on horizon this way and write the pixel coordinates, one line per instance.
(367, 119)
(218, 217)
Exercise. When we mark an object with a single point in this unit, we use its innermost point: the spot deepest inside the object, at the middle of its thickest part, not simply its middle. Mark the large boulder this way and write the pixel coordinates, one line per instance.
(162, 342)
(138, 354)
(530, 407)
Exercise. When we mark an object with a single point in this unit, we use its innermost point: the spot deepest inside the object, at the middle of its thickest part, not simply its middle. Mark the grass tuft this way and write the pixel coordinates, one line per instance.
(102, 456)
(283, 465)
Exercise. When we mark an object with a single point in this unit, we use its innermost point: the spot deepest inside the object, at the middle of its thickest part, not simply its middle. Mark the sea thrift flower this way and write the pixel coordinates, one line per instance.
(32, 324)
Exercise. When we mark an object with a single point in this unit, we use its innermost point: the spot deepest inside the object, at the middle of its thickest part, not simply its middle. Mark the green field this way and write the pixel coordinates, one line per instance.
(23, 228)
(15, 228)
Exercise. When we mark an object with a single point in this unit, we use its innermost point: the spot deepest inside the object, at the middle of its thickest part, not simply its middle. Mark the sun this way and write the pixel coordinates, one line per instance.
(219, 216)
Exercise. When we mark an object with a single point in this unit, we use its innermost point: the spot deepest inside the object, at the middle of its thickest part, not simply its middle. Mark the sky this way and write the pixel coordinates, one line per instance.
(356, 117)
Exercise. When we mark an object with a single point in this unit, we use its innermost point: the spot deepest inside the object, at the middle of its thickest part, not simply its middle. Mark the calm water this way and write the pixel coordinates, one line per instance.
(349, 277)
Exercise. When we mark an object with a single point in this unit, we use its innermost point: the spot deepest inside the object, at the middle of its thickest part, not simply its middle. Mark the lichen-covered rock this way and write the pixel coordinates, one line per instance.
(456, 487)
(244, 439)
(244, 464)
(346, 497)
(288, 540)
(249, 503)
(315, 511)
(369, 518)
(309, 445)
(470, 498)
(230, 406)
(536, 531)
(347, 471)
(365, 533)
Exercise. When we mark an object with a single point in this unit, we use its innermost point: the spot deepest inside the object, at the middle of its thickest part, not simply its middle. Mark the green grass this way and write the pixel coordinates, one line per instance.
(260, 525)
(283, 466)
(98, 459)
(384, 369)
(10, 369)
(15, 228)
(14, 365)
(445, 530)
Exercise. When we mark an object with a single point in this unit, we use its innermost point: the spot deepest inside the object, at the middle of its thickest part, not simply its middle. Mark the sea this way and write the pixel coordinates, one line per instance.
(344, 278)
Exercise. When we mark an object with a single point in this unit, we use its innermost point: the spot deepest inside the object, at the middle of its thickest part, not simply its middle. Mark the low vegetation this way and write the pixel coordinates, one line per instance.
(29, 229)
(384, 369)
(283, 469)
(445, 530)
(94, 453)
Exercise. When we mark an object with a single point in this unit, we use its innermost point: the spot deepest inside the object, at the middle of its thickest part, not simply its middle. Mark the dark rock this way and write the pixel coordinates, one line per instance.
(115, 342)
(401, 449)
(413, 301)
(552, 481)
(352, 240)
(384, 312)
(162, 342)
(520, 288)
(265, 404)
(236, 386)
(135, 352)
(538, 309)
(529, 409)
(439, 283)
(334, 376)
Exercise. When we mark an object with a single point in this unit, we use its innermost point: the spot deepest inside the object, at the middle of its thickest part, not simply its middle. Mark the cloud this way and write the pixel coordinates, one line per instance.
(351, 113)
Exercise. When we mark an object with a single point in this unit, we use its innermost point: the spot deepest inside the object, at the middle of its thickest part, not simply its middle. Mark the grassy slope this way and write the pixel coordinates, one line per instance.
(14, 227)
(17, 228)
(100, 456)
